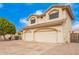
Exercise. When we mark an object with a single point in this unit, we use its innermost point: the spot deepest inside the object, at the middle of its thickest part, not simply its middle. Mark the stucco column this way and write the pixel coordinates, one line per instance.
(60, 37)
(32, 35)
(23, 33)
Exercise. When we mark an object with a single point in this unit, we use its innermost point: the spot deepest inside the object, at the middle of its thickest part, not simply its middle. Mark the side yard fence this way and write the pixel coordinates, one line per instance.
(74, 37)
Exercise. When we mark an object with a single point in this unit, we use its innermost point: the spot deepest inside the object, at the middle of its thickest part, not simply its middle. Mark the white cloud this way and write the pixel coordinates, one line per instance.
(24, 21)
(75, 27)
(38, 12)
(1, 5)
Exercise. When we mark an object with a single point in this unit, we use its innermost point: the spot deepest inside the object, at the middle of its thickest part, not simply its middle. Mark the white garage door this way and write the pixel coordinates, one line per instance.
(46, 36)
(28, 36)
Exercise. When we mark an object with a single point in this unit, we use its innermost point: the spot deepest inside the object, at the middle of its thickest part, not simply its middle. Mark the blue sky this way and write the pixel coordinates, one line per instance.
(17, 13)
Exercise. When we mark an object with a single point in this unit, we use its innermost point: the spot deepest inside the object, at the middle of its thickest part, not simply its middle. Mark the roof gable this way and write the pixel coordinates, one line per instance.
(67, 8)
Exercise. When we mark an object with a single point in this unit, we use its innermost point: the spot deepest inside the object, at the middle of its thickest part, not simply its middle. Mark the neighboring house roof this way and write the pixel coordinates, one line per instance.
(67, 8)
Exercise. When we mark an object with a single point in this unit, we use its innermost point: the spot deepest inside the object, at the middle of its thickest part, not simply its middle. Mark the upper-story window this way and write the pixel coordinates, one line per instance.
(32, 21)
(54, 15)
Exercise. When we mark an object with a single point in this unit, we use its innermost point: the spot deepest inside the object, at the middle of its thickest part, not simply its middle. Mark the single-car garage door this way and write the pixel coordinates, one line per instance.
(28, 36)
(46, 36)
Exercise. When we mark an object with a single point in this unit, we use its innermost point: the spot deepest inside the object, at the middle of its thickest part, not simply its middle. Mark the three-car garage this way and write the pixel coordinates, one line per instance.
(42, 35)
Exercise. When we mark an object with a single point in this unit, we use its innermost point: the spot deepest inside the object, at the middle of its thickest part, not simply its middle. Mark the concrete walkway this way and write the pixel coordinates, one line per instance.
(19, 47)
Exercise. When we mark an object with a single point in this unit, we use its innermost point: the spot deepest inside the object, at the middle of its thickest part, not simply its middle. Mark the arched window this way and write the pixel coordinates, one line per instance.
(32, 20)
(54, 14)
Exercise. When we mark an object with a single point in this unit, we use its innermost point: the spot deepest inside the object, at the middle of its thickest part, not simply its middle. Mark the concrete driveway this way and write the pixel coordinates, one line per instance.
(19, 47)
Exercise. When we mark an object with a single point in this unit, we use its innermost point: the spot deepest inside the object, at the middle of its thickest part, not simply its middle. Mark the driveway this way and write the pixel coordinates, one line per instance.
(19, 47)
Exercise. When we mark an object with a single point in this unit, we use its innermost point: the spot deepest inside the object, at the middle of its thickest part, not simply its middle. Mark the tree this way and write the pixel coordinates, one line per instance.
(6, 27)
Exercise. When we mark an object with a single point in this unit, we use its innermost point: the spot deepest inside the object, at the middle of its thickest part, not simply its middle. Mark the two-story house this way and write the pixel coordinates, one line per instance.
(53, 26)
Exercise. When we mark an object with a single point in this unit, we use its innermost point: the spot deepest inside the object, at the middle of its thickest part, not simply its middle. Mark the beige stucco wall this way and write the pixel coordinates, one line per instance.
(66, 27)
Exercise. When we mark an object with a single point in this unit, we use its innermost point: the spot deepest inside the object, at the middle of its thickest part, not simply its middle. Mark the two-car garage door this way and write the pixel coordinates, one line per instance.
(45, 35)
